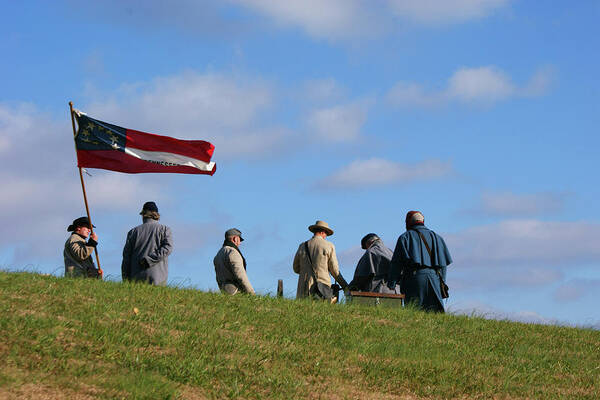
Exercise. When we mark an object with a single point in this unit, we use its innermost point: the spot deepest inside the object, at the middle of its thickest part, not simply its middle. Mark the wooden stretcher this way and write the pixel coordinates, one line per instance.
(376, 299)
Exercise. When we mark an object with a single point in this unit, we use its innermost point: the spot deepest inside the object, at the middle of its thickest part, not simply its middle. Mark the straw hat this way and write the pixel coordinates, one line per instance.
(321, 226)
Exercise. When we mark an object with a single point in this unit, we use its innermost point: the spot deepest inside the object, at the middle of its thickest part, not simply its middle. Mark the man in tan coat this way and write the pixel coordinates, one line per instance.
(316, 259)
(230, 265)
(78, 252)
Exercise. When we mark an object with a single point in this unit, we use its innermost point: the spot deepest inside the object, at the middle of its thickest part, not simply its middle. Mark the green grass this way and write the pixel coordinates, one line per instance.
(73, 338)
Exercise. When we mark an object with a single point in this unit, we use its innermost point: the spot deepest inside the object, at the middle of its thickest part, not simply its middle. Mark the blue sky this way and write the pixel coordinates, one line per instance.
(483, 114)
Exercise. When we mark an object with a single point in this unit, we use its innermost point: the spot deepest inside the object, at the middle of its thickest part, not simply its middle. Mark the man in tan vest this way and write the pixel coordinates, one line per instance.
(315, 260)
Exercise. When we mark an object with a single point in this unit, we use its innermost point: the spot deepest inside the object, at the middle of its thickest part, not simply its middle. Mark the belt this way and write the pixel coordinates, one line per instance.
(413, 270)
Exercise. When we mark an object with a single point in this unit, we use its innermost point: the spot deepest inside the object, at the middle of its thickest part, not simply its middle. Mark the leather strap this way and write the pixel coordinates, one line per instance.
(426, 245)
(311, 263)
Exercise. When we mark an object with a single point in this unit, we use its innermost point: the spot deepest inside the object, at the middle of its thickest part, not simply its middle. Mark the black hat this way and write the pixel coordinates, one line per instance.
(370, 237)
(149, 206)
(81, 221)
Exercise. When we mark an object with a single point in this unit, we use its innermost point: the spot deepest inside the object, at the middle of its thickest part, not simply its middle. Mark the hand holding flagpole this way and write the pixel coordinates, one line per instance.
(87, 209)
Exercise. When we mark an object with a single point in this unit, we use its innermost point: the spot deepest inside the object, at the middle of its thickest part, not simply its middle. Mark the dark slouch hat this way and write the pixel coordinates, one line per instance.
(370, 237)
(81, 221)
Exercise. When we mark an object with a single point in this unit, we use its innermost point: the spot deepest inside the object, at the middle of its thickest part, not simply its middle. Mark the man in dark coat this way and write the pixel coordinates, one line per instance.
(147, 248)
(373, 267)
(420, 259)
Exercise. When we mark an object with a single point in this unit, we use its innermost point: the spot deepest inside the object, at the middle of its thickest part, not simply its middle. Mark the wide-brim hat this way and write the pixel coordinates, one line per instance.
(81, 221)
(321, 226)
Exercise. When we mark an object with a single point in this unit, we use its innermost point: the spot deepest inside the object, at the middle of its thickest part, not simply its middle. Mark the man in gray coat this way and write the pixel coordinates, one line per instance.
(147, 248)
(373, 267)
(230, 265)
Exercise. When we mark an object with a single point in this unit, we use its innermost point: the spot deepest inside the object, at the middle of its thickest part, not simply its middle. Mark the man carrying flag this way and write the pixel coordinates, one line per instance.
(78, 252)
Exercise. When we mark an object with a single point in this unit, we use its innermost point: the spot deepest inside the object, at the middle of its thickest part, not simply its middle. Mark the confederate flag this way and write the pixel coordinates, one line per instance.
(106, 146)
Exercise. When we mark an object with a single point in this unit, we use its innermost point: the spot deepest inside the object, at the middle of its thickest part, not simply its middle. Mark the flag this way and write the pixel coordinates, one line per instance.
(106, 146)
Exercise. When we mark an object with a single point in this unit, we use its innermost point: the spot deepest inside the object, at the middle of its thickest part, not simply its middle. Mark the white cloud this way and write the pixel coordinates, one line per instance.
(112, 191)
(323, 90)
(576, 289)
(511, 204)
(376, 171)
(525, 242)
(32, 141)
(524, 254)
(193, 236)
(540, 82)
(93, 63)
(224, 110)
(14, 124)
(349, 257)
(251, 144)
(529, 277)
(445, 11)
(206, 18)
(482, 310)
(180, 102)
(484, 83)
(501, 277)
(343, 19)
(332, 20)
(340, 123)
(480, 85)
(412, 95)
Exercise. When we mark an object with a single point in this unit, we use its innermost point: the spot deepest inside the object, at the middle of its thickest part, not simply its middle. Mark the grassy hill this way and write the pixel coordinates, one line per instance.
(63, 338)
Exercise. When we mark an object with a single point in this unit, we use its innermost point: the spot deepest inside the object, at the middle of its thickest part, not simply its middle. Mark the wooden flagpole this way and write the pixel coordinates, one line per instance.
(87, 209)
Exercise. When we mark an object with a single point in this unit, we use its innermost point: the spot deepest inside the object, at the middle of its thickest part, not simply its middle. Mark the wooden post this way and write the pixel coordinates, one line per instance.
(280, 288)
(87, 209)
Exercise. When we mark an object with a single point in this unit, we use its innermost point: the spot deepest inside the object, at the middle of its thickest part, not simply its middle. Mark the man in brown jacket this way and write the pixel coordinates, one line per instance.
(230, 265)
(316, 259)
(78, 252)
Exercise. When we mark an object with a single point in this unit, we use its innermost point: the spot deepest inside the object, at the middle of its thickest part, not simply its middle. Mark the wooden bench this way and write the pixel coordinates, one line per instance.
(376, 299)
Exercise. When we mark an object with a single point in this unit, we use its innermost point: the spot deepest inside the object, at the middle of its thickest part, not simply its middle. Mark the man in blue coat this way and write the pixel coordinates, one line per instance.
(419, 261)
